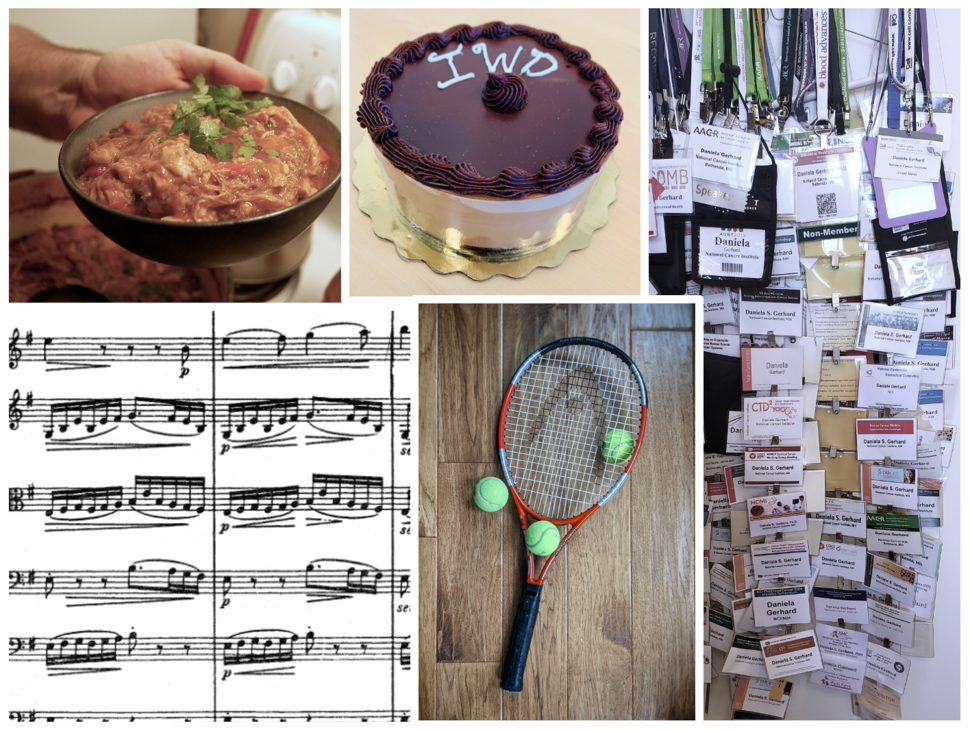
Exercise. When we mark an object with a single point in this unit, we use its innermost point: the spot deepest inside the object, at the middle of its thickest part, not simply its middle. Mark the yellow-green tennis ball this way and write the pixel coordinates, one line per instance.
(491, 494)
(618, 446)
(542, 538)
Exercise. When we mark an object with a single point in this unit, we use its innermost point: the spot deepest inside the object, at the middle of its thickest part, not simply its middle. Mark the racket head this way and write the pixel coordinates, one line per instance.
(560, 404)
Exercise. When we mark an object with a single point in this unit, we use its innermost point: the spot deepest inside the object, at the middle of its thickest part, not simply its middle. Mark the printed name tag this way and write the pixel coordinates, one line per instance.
(780, 606)
(762, 367)
(734, 252)
(844, 643)
(873, 285)
(891, 485)
(930, 499)
(897, 533)
(780, 558)
(846, 675)
(786, 253)
(674, 179)
(908, 158)
(930, 361)
(729, 345)
(771, 310)
(877, 438)
(889, 329)
(847, 516)
(826, 184)
(893, 387)
(745, 658)
(717, 306)
(931, 403)
(722, 631)
(837, 329)
(789, 655)
(927, 563)
(720, 507)
(777, 513)
(886, 622)
(885, 577)
(837, 558)
(782, 417)
(887, 667)
(756, 696)
(723, 155)
(773, 464)
(831, 604)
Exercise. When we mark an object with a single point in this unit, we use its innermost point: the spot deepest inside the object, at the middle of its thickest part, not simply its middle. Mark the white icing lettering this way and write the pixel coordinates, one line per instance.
(482, 50)
(450, 58)
(537, 55)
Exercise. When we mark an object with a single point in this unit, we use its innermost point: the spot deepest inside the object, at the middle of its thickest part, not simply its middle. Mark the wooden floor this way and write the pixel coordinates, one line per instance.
(615, 634)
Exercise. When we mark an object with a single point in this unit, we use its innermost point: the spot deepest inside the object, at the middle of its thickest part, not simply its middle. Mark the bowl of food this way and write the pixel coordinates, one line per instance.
(203, 177)
(55, 254)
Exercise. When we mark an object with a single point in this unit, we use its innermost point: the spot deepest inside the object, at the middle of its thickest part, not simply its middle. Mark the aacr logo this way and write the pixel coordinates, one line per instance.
(709, 131)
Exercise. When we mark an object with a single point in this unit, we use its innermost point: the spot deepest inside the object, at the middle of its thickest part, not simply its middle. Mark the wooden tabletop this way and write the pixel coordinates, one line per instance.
(611, 264)
(615, 633)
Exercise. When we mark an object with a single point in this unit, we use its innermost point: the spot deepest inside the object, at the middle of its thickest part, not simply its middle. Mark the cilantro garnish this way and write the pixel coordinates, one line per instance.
(153, 129)
(225, 102)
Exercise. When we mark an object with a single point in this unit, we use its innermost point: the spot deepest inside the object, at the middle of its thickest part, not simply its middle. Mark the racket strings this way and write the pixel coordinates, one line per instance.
(563, 406)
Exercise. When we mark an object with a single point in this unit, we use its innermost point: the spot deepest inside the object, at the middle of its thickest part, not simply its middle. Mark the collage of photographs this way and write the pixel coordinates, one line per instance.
(425, 487)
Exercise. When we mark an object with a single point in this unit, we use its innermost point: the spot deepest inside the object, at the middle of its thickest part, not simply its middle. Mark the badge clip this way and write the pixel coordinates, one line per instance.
(774, 390)
(839, 538)
(835, 302)
(835, 407)
(892, 557)
(889, 358)
(841, 622)
(832, 451)
(840, 582)
(771, 337)
(836, 352)
(838, 492)
(775, 440)
(835, 259)
(708, 328)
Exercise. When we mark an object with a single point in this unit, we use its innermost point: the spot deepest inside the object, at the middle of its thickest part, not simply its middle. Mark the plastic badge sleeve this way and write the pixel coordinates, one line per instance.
(885, 220)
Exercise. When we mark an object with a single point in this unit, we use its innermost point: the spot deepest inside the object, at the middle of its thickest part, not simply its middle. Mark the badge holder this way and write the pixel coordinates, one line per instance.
(707, 268)
(775, 489)
(670, 277)
(940, 206)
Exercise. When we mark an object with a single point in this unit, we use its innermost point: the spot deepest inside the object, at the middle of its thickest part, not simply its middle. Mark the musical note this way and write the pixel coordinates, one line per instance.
(15, 352)
(14, 412)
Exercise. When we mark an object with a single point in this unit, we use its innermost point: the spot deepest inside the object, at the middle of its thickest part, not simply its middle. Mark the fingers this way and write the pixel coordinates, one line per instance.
(218, 68)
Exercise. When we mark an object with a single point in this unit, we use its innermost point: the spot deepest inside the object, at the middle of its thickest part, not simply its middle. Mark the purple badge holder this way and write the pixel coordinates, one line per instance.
(870, 144)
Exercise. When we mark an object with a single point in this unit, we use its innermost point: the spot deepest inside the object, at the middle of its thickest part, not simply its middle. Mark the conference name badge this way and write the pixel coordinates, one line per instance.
(789, 655)
(777, 513)
(781, 606)
(772, 559)
(765, 418)
(877, 438)
(773, 464)
(832, 604)
(731, 252)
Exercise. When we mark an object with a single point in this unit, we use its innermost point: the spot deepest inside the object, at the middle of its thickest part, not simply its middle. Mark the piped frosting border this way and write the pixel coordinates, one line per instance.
(511, 183)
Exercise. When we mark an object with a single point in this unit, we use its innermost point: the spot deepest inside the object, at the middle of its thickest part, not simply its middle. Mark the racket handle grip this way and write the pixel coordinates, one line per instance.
(525, 623)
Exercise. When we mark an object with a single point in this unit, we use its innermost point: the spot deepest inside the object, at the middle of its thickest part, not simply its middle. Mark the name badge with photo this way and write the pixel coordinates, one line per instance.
(773, 464)
(770, 560)
(846, 516)
(841, 558)
(763, 367)
(899, 533)
(771, 310)
(781, 606)
(789, 655)
(765, 418)
(777, 513)
(761, 697)
(832, 604)
(877, 438)
(890, 485)
(894, 387)
(895, 330)
(731, 252)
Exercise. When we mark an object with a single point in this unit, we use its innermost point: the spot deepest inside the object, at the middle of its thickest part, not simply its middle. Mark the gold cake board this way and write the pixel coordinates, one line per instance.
(414, 244)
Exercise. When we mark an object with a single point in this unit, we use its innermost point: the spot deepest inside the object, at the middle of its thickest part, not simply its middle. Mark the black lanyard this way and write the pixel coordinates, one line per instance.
(835, 101)
(789, 51)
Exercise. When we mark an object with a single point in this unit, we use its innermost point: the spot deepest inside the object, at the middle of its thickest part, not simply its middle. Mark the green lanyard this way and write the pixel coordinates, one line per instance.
(707, 69)
(843, 64)
(764, 96)
(749, 57)
(718, 39)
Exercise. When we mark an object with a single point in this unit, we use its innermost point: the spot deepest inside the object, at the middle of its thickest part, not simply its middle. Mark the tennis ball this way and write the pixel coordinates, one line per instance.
(491, 494)
(542, 538)
(618, 446)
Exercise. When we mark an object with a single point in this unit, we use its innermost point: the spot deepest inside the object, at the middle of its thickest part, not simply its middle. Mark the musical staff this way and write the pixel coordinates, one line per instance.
(152, 581)
(342, 345)
(141, 497)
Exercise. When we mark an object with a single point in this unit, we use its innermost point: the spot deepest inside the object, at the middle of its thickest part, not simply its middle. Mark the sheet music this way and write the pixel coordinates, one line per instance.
(209, 514)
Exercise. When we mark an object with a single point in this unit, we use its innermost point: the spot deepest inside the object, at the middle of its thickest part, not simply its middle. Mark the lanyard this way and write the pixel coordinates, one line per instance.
(717, 39)
(746, 63)
(760, 59)
(843, 62)
(875, 80)
(786, 81)
(895, 65)
(729, 45)
(821, 36)
(681, 40)
(838, 73)
(808, 64)
(909, 25)
(698, 93)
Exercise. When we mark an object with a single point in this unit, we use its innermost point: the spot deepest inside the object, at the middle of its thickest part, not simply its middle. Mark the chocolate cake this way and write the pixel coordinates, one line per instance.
(490, 136)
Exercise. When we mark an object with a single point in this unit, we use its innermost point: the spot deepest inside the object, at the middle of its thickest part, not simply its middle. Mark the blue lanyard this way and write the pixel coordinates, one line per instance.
(893, 99)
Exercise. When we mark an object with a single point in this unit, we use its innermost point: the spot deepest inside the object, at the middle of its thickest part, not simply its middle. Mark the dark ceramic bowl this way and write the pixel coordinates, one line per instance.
(204, 245)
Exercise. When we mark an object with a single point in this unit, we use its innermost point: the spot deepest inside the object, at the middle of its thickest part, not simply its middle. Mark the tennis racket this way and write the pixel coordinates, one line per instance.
(562, 401)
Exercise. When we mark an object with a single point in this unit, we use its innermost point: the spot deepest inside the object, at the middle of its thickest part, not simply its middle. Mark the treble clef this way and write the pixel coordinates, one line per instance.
(15, 352)
(15, 413)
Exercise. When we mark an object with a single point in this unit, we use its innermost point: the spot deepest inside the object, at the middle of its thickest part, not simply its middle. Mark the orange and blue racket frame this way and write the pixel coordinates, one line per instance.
(522, 629)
